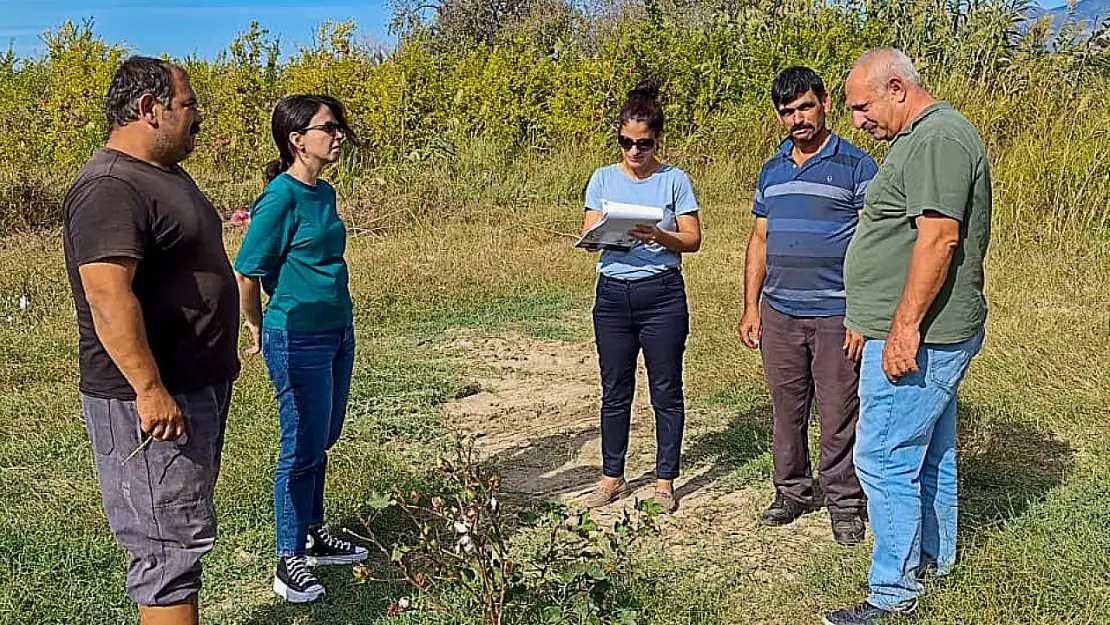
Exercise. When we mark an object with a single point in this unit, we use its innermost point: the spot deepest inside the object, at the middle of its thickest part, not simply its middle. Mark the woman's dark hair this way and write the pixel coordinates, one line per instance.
(793, 83)
(643, 106)
(293, 114)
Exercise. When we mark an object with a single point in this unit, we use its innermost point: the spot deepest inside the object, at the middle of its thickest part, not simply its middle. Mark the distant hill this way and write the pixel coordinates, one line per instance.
(1090, 11)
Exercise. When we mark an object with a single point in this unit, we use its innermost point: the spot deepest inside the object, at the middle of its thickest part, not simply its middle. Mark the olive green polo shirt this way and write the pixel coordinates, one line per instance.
(937, 163)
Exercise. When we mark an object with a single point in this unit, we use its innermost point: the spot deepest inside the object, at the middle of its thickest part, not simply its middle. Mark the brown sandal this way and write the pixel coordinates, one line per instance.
(604, 495)
(666, 500)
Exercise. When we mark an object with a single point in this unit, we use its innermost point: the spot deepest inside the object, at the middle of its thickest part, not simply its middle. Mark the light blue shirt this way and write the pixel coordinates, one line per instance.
(668, 188)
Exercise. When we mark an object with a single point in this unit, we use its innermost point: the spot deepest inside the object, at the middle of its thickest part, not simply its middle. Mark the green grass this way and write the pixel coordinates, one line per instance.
(1035, 447)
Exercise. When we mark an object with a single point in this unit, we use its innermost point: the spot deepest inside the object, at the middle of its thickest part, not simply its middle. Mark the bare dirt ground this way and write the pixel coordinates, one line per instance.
(535, 414)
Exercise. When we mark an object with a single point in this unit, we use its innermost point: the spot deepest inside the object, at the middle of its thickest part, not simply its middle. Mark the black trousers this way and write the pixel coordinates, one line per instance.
(649, 314)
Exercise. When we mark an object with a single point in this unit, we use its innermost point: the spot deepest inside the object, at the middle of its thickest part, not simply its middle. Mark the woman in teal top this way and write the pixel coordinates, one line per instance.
(293, 250)
(641, 298)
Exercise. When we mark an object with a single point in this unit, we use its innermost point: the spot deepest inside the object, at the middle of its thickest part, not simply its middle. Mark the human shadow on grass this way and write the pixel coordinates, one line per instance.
(346, 602)
(1005, 467)
(739, 454)
(532, 469)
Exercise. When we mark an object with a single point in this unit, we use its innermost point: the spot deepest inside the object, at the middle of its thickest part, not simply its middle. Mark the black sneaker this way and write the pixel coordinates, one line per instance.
(865, 614)
(847, 527)
(295, 582)
(323, 549)
(783, 510)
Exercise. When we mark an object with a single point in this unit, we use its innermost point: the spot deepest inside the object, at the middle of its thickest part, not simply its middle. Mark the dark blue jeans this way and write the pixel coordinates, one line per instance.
(311, 373)
(650, 315)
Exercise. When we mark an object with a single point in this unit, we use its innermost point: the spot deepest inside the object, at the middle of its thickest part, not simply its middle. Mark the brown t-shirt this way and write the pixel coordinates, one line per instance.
(121, 207)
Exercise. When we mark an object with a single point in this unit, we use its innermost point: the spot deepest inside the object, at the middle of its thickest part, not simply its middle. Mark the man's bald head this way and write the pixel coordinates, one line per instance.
(879, 65)
(884, 92)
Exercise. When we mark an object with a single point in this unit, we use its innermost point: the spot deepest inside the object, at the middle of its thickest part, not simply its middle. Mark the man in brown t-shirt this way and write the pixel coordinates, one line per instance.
(158, 322)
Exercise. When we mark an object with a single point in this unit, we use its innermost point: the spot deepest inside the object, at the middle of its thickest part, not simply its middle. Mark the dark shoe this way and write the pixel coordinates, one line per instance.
(864, 614)
(847, 527)
(295, 582)
(323, 549)
(783, 511)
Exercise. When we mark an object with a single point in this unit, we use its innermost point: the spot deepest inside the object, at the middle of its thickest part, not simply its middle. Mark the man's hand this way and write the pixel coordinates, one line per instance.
(853, 345)
(750, 328)
(900, 351)
(159, 415)
(255, 332)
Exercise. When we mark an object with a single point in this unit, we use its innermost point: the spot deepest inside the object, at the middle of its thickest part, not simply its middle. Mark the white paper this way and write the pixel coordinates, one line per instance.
(611, 231)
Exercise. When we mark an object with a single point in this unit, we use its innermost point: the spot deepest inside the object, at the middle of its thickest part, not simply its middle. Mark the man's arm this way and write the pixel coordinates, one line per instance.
(755, 271)
(937, 239)
(118, 321)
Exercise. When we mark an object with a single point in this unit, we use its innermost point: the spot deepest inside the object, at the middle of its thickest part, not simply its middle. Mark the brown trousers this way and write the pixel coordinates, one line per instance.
(804, 358)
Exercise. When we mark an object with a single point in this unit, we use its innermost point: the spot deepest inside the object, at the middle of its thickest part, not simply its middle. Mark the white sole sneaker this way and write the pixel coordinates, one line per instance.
(350, 558)
(296, 596)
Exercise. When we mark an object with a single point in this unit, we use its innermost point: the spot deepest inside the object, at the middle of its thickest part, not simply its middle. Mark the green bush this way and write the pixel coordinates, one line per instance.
(1035, 96)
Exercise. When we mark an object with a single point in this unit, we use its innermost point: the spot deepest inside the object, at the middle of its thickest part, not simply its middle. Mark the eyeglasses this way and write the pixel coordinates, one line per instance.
(627, 143)
(331, 128)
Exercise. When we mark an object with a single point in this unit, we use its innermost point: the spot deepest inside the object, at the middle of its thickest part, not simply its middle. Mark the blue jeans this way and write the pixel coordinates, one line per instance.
(311, 373)
(906, 460)
(630, 315)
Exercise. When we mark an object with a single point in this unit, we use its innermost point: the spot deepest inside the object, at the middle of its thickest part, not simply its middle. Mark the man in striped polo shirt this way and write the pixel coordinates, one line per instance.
(807, 203)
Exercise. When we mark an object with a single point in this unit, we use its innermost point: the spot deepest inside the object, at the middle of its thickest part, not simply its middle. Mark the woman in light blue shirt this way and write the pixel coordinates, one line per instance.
(641, 297)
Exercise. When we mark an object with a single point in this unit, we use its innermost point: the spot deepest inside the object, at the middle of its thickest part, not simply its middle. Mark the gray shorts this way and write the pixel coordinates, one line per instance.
(159, 503)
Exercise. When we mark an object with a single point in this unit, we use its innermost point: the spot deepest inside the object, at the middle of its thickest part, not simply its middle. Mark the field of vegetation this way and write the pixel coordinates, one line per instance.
(480, 130)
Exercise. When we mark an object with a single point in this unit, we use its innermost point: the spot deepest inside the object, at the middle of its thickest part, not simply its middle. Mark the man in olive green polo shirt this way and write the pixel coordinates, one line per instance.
(914, 282)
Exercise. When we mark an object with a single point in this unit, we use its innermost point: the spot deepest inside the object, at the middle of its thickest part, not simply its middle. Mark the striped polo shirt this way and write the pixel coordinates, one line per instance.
(811, 214)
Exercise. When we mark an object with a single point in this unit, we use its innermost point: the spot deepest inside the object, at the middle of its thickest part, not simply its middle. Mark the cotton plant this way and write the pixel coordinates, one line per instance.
(459, 539)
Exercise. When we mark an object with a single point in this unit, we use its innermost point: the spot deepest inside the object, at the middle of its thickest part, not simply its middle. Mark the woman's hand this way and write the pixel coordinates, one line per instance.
(250, 303)
(686, 239)
(646, 234)
(255, 332)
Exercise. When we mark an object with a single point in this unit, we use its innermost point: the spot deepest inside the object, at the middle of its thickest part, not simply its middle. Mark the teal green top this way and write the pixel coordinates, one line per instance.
(294, 245)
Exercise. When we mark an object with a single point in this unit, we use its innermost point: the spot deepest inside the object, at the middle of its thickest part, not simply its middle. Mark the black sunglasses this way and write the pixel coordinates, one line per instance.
(332, 128)
(643, 144)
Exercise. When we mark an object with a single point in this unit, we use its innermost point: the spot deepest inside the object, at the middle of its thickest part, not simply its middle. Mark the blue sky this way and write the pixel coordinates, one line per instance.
(180, 28)
(184, 27)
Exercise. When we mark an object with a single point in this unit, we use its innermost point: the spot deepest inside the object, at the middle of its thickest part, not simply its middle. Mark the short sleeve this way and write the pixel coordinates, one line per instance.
(268, 236)
(594, 191)
(861, 176)
(106, 218)
(759, 209)
(942, 177)
(684, 200)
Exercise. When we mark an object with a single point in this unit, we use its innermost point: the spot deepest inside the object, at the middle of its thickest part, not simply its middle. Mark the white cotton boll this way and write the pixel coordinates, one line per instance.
(460, 527)
(493, 503)
(403, 603)
(24, 302)
(466, 544)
